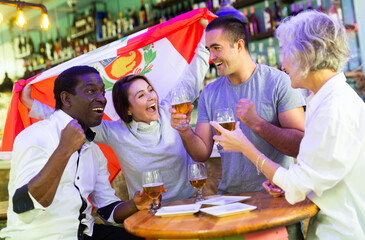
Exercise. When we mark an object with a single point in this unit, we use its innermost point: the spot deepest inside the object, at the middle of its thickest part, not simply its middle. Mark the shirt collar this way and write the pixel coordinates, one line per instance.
(65, 119)
(314, 100)
(141, 126)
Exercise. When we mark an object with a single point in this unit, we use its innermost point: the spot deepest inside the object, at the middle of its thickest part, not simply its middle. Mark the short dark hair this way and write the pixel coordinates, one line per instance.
(233, 27)
(120, 95)
(68, 80)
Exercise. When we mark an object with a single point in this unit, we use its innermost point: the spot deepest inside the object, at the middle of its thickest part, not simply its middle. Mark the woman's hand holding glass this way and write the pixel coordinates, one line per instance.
(181, 103)
(153, 186)
(197, 174)
(234, 141)
(225, 117)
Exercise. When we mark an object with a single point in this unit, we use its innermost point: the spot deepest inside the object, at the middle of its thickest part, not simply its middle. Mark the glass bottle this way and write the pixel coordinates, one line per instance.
(309, 4)
(300, 7)
(253, 22)
(268, 17)
(319, 6)
(271, 53)
(335, 10)
(277, 17)
(262, 56)
(142, 14)
(293, 9)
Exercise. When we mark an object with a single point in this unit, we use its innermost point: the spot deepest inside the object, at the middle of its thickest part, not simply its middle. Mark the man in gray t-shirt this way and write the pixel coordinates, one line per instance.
(270, 112)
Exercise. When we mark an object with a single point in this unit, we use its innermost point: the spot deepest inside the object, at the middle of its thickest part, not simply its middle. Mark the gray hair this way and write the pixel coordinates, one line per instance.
(312, 41)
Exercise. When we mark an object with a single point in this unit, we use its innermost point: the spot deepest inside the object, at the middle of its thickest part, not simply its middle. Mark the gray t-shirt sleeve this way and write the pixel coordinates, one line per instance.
(288, 97)
(202, 110)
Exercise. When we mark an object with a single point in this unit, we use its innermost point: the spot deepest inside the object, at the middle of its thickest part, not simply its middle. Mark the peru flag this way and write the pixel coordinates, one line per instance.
(161, 52)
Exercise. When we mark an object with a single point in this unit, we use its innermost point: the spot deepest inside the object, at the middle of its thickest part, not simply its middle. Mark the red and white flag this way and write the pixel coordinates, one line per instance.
(160, 52)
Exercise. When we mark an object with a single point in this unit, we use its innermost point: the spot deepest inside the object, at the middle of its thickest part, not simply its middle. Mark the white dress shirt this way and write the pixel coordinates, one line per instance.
(85, 175)
(331, 163)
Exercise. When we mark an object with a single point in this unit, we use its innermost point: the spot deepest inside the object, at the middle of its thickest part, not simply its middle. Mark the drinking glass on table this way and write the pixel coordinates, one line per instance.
(225, 117)
(197, 174)
(181, 102)
(153, 185)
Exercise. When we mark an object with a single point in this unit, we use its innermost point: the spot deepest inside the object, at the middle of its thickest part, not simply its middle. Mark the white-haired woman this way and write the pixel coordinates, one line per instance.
(331, 159)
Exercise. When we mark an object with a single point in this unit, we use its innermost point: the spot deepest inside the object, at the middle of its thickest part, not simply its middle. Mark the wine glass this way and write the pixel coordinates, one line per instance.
(153, 185)
(197, 174)
(181, 102)
(225, 117)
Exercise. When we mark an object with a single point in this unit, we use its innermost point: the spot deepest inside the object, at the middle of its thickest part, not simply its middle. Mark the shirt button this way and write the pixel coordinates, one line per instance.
(78, 178)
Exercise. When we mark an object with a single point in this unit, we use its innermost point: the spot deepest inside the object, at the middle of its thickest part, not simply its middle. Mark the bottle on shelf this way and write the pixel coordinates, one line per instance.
(179, 8)
(31, 45)
(189, 6)
(142, 14)
(271, 53)
(319, 6)
(85, 46)
(309, 4)
(21, 43)
(49, 48)
(104, 28)
(147, 6)
(120, 25)
(202, 4)
(268, 19)
(215, 4)
(253, 22)
(277, 14)
(134, 17)
(246, 25)
(335, 10)
(173, 11)
(284, 11)
(300, 7)
(109, 25)
(253, 53)
(91, 20)
(57, 46)
(293, 9)
(196, 4)
(42, 53)
(184, 8)
(70, 50)
(209, 5)
(262, 56)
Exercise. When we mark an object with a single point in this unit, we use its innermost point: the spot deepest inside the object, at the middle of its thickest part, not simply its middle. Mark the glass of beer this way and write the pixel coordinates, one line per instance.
(197, 174)
(153, 185)
(181, 102)
(225, 117)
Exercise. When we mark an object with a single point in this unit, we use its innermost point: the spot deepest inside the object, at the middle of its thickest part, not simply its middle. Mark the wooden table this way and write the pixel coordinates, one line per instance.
(270, 213)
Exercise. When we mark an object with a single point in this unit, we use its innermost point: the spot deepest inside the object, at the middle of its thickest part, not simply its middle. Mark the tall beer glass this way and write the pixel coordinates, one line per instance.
(181, 102)
(225, 117)
(153, 185)
(197, 174)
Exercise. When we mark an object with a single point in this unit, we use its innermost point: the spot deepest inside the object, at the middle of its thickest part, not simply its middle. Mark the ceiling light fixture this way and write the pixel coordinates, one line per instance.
(20, 5)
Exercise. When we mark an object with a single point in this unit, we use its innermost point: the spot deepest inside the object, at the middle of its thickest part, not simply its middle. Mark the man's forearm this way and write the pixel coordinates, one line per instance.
(44, 185)
(286, 140)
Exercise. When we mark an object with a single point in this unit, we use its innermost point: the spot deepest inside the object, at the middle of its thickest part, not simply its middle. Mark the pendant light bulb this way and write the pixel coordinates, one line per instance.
(45, 24)
(20, 19)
